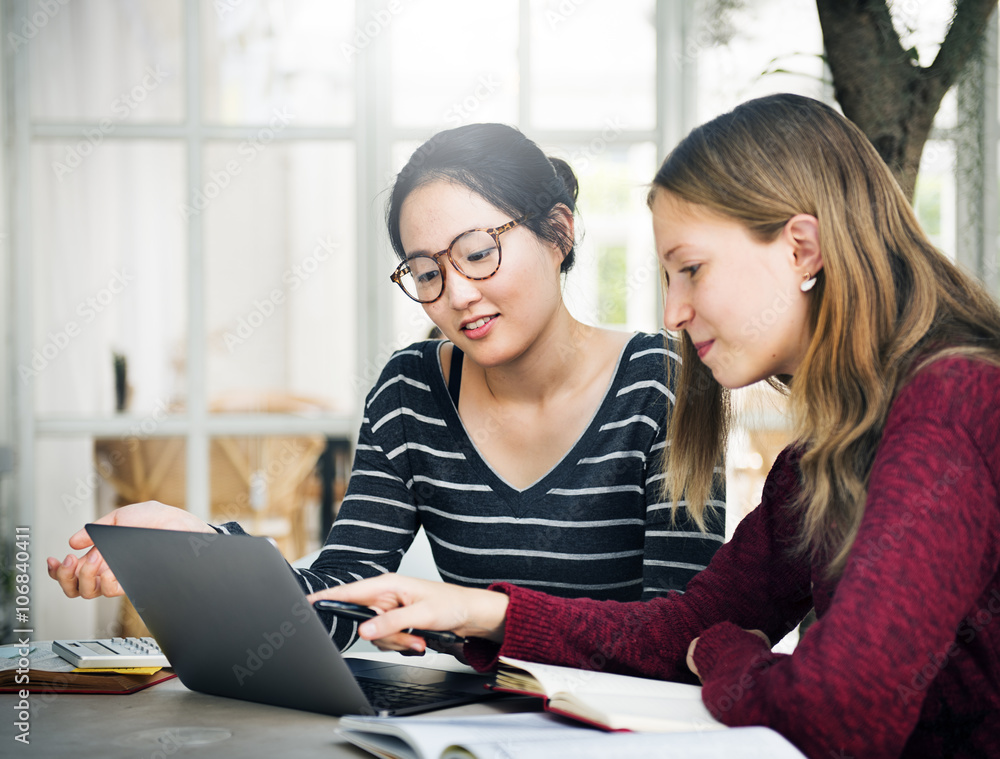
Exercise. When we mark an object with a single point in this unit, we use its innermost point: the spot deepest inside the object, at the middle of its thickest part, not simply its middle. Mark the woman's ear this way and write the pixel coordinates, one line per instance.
(802, 234)
(561, 219)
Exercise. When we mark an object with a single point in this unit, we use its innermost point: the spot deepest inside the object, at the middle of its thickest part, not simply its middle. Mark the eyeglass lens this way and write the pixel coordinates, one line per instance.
(475, 255)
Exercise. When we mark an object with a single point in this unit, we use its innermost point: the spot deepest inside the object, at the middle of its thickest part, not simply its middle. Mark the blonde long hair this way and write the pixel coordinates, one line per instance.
(885, 304)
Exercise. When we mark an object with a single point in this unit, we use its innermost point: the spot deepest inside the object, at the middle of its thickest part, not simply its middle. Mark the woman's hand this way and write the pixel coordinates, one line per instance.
(89, 576)
(694, 644)
(690, 657)
(406, 602)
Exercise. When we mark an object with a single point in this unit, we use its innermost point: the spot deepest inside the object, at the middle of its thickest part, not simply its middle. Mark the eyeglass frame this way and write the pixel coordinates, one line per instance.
(493, 232)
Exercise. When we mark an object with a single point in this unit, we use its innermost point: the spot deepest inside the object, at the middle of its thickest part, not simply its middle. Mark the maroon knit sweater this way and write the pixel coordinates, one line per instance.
(905, 657)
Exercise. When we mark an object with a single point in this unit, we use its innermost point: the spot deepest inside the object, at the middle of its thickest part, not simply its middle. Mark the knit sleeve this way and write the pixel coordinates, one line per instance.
(753, 580)
(926, 549)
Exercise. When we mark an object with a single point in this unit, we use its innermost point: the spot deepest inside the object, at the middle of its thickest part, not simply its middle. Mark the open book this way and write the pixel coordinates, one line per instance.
(609, 701)
(542, 736)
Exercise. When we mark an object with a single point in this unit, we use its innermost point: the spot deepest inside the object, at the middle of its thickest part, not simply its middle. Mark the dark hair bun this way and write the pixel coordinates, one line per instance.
(565, 172)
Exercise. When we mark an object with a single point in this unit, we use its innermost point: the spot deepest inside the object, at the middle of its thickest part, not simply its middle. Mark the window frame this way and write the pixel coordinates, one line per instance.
(373, 136)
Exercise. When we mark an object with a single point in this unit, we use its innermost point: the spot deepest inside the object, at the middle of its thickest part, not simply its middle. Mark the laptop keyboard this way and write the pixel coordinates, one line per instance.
(388, 696)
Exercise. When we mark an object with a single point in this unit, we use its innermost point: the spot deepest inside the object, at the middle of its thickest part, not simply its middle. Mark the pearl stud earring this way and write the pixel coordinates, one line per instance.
(807, 283)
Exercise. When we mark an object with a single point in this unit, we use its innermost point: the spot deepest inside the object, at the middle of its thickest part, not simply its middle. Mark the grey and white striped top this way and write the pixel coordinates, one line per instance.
(596, 525)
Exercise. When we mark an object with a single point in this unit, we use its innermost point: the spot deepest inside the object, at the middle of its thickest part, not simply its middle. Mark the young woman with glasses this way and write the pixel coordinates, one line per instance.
(527, 444)
(884, 514)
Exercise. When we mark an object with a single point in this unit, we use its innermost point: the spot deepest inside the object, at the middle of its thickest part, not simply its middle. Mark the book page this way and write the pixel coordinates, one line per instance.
(640, 713)
(534, 736)
(736, 743)
(430, 737)
(41, 655)
(554, 679)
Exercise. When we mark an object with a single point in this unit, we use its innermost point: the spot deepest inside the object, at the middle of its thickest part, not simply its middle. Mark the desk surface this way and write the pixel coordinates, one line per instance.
(126, 727)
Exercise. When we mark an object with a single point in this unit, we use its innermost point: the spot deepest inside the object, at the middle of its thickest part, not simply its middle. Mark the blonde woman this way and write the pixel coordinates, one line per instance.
(790, 255)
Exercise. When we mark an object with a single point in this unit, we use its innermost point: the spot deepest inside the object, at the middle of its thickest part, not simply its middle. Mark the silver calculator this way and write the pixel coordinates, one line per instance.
(113, 653)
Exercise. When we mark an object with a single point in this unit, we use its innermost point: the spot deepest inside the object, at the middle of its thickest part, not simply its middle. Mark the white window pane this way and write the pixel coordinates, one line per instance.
(781, 38)
(102, 62)
(69, 492)
(934, 198)
(453, 63)
(296, 57)
(947, 115)
(592, 63)
(921, 27)
(615, 280)
(280, 267)
(109, 270)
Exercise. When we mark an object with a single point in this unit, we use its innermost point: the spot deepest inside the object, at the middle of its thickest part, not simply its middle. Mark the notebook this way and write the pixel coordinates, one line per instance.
(232, 619)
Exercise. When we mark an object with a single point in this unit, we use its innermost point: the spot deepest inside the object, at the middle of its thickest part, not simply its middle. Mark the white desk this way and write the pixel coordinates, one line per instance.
(72, 726)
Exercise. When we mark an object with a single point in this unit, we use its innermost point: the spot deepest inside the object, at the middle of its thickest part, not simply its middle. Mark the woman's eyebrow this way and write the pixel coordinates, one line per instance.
(673, 250)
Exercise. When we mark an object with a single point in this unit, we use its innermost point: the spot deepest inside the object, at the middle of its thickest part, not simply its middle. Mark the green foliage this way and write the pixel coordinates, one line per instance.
(612, 269)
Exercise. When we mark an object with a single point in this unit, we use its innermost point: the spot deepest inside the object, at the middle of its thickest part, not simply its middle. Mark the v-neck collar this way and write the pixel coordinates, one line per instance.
(521, 498)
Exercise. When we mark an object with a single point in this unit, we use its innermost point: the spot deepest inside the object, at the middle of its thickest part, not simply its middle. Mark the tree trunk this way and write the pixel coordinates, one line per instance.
(882, 88)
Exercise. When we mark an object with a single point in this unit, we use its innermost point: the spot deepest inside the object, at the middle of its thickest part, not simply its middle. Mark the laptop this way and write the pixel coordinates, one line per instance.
(233, 621)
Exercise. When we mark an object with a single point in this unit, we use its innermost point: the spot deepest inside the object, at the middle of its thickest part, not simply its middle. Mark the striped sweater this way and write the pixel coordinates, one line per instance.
(596, 525)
